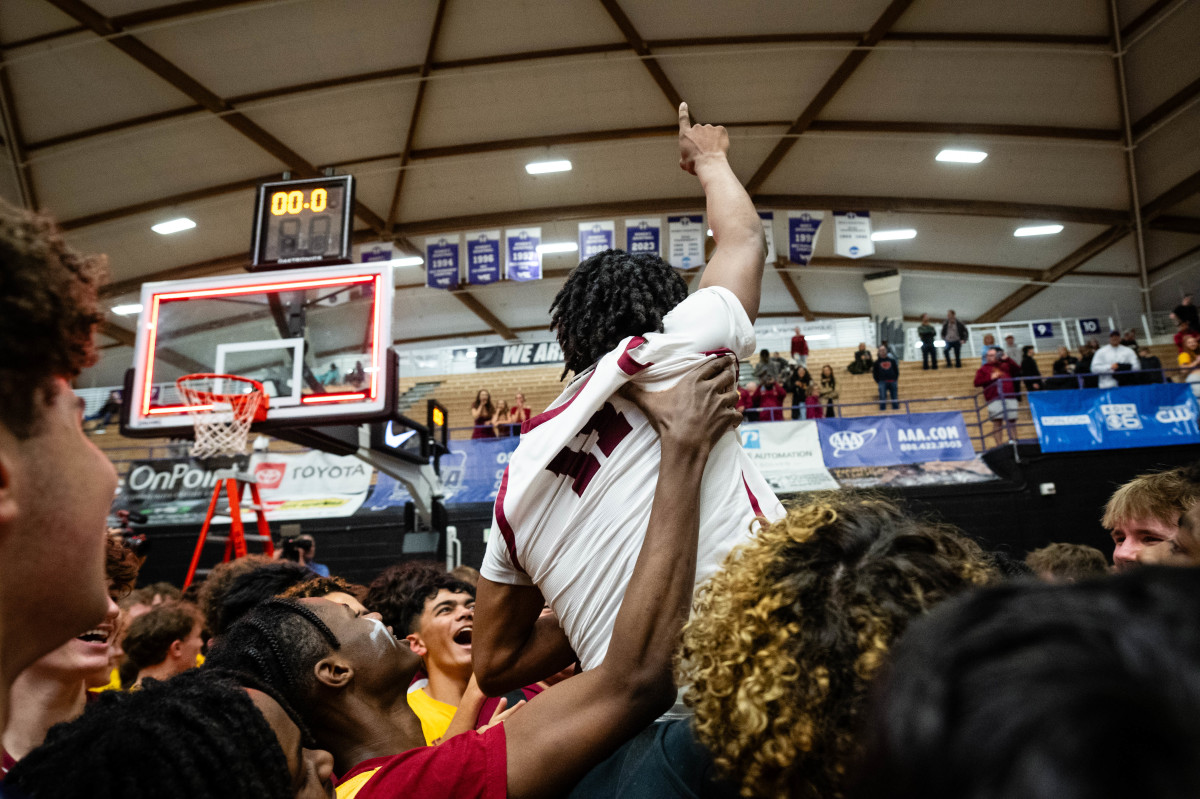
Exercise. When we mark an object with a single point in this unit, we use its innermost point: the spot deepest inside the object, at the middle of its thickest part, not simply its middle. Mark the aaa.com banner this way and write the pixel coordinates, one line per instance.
(787, 454)
(293, 485)
(891, 440)
(1156, 415)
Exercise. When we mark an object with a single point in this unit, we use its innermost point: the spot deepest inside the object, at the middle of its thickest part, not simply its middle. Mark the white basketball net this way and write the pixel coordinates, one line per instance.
(221, 419)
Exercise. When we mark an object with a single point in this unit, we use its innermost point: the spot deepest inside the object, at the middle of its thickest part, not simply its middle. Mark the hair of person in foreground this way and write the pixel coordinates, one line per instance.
(1067, 563)
(197, 736)
(1036, 691)
(784, 641)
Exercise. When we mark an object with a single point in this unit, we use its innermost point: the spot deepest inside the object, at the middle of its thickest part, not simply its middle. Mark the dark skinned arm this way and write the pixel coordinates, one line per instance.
(513, 644)
(572, 726)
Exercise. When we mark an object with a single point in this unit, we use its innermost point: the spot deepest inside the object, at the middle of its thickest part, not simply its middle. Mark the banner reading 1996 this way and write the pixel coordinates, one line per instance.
(483, 257)
(441, 262)
(524, 261)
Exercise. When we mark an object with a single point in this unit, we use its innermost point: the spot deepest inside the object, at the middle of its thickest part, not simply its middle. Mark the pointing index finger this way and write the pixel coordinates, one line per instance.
(685, 120)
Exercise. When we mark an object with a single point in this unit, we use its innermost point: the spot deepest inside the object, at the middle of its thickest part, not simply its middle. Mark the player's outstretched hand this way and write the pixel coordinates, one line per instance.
(697, 410)
(696, 141)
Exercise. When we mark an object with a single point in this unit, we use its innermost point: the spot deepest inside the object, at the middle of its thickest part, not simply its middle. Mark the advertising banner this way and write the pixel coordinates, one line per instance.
(523, 261)
(471, 472)
(687, 241)
(483, 257)
(518, 355)
(293, 485)
(852, 234)
(1160, 414)
(890, 440)
(441, 262)
(595, 237)
(803, 227)
(768, 223)
(788, 454)
(642, 235)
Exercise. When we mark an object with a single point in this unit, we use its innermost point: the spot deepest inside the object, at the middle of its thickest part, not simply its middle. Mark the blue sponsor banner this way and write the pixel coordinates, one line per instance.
(1156, 415)
(642, 236)
(524, 261)
(483, 257)
(471, 472)
(803, 227)
(892, 440)
(441, 262)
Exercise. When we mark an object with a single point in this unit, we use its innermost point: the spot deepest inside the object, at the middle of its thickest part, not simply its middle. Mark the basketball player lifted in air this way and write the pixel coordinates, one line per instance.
(575, 500)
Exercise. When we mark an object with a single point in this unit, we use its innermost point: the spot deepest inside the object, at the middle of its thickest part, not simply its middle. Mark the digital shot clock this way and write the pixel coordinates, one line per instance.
(303, 222)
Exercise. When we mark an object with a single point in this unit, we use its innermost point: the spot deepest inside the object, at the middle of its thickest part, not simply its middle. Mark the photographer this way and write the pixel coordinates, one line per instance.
(302, 549)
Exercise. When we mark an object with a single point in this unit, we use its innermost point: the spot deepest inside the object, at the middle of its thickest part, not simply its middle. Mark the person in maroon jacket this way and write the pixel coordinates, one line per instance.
(995, 377)
(747, 401)
(799, 348)
(769, 399)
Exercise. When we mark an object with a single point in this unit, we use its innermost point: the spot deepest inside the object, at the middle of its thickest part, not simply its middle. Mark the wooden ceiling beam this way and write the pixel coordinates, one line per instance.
(640, 47)
(1165, 109)
(1172, 261)
(1176, 224)
(921, 266)
(14, 141)
(1183, 190)
(168, 71)
(827, 92)
(415, 118)
(1149, 15)
(484, 313)
(781, 266)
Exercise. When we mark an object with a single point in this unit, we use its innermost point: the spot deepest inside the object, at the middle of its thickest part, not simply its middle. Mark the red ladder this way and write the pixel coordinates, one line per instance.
(235, 543)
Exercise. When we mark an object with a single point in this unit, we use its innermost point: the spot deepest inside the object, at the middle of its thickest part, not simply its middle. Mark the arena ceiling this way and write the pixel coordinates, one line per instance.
(122, 113)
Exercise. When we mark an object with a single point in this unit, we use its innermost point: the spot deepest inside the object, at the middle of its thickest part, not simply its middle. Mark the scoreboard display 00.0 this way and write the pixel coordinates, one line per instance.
(303, 222)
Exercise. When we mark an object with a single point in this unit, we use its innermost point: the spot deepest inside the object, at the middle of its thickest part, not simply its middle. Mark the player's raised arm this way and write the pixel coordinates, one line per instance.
(573, 725)
(737, 263)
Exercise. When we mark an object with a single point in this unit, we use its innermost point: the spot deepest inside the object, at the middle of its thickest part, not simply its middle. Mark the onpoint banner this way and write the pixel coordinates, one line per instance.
(1160, 414)
(891, 440)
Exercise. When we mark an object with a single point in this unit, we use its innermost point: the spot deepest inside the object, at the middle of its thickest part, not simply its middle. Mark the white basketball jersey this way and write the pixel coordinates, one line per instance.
(575, 501)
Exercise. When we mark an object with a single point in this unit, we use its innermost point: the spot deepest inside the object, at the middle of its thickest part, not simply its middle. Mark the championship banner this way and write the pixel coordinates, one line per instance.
(376, 251)
(518, 355)
(803, 227)
(642, 235)
(595, 238)
(441, 262)
(891, 440)
(768, 223)
(523, 261)
(687, 241)
(483, 257)
(293, 485)
(471, 472)
(788, 454)
(852, 232)
(1160, 414)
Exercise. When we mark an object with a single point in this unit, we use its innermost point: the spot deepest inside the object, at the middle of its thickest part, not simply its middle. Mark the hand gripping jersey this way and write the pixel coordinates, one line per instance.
(575, 499)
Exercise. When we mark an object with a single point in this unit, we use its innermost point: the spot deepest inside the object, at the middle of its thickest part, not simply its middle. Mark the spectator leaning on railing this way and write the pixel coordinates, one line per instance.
(1113, 358)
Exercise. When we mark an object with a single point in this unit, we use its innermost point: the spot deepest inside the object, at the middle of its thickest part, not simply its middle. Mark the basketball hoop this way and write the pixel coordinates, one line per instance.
(222, 418)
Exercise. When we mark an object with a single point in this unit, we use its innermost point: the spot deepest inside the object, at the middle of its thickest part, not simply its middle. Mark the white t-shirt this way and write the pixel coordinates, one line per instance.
(1104, 359)
(575, 499)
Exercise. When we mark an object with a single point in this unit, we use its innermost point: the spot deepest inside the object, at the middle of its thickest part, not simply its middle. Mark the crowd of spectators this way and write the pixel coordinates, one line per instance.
(841, 646)
(497, 419)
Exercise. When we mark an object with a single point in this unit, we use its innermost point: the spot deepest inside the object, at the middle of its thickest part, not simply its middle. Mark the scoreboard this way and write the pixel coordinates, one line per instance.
(303, 223)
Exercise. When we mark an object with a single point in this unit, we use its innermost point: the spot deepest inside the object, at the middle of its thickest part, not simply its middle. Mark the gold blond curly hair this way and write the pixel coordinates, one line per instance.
(784, 640)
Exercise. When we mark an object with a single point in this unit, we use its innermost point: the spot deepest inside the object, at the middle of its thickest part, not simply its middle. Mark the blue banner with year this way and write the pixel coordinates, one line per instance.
(1156, 415)
(892, 440)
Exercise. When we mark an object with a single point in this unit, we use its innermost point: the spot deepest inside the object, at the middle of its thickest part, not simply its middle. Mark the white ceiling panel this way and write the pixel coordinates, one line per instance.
(168, 159)
(24, 19)
(1071, 17)
(1164, 60)
(81, 82)
(1169, 156)
(1120, 258)
(1086, 175)
(1086, 297)
(482, 28)
(269, 45)
(985, 84)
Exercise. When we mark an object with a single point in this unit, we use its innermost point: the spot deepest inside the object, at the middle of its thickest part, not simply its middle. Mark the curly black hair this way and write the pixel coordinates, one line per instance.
(197, 736)
(48, 312)
(401, 590)
(609, 297)
(249, 589)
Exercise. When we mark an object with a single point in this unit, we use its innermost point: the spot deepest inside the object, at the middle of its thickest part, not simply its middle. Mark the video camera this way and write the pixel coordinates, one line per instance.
(294, 545)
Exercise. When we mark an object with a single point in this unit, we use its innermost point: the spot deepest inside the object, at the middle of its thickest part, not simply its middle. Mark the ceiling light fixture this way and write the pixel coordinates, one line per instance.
(562, 246)
(127, 310)
(543, 167)
(893, 235)
(173, 225)
(962, 156)
(1038, 230)
(409, 260)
